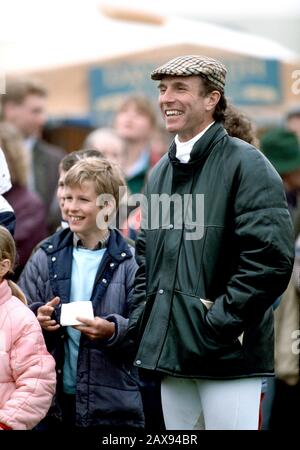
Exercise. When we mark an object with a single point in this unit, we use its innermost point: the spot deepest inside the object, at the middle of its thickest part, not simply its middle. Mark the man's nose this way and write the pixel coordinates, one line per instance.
(167, 96)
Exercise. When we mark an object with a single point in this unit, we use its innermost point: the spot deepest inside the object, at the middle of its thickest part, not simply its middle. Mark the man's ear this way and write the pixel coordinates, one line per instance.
(212, 99)
(5, 266)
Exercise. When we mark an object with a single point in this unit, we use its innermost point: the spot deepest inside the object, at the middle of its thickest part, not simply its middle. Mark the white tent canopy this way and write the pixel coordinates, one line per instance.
(64, 33)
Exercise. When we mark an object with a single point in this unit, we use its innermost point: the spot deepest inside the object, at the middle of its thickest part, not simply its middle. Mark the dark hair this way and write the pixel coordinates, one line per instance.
(72, 158)
(219, 112)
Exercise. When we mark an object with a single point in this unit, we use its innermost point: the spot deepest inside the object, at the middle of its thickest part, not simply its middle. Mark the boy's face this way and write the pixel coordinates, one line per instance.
(81, 209)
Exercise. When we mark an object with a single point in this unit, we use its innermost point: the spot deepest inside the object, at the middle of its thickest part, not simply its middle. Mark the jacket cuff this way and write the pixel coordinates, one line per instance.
(121, 325)
(35, 306)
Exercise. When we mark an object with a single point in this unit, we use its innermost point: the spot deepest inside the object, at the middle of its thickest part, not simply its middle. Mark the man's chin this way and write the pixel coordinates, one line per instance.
(171, 128)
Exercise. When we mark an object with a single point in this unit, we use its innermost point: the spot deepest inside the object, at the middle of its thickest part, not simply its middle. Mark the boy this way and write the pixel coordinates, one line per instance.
(97, 386)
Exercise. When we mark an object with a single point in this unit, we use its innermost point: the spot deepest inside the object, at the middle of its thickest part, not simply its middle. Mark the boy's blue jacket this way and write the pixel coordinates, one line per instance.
(107, 392)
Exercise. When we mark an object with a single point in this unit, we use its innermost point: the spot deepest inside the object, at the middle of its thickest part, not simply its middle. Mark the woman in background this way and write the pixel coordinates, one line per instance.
(30, 213)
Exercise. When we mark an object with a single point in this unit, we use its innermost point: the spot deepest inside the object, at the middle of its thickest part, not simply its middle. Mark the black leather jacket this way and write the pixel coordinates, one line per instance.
(241, 262)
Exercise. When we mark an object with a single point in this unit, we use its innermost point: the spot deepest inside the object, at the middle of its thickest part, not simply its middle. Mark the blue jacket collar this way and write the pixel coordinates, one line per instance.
(117, 247)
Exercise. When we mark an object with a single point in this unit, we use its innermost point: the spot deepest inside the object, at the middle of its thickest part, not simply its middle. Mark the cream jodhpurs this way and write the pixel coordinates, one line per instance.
(202, 404)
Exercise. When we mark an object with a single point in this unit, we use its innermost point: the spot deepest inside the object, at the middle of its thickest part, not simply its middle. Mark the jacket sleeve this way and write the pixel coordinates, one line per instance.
(121, 322)
(263, 242)
(138, 299)
(34, 279)
(33, 371)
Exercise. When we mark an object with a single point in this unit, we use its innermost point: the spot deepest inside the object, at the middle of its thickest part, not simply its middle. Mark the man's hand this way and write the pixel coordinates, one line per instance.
(44, 314)
(96, 329)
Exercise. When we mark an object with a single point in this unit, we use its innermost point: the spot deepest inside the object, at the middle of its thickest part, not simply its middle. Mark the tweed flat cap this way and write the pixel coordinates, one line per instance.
(184, 66)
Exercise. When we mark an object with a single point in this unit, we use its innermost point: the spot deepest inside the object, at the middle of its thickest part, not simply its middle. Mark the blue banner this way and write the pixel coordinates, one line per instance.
(250, 82)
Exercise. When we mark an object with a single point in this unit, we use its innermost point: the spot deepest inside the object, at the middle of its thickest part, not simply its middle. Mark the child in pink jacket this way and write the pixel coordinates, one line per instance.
(27, 370)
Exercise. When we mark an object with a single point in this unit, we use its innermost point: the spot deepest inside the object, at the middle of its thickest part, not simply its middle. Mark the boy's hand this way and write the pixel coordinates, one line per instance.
(44, 314)
(96, 329)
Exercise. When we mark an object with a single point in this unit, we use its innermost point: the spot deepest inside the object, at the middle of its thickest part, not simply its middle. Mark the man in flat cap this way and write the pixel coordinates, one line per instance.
(209, 270)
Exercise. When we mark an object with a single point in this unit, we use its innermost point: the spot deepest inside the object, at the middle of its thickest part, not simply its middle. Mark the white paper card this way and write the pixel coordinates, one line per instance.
(69, 312)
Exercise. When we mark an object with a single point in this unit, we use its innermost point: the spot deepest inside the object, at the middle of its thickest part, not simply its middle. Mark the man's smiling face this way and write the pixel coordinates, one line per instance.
(183, 106)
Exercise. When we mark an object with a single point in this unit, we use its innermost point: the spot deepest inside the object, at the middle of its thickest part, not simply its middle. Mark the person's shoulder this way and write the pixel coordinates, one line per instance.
(51, 244)
(132, 249)
(248, 162)
(20, 313)
(244, 153)
(61, 238)
(164, 160)
(241, 149)
(124, 244)
(158, 170)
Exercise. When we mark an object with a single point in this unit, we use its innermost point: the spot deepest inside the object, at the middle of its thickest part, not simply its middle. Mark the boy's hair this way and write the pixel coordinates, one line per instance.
(72, 158)
(8, 251)
(106, 176)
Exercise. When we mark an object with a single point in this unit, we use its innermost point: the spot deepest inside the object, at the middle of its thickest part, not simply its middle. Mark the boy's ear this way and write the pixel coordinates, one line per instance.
(109, 207)
(106, 211)
(5, 266)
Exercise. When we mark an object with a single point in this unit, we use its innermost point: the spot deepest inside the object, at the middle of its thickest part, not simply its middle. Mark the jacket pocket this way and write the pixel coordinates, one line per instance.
(208, 304)
(188, 327)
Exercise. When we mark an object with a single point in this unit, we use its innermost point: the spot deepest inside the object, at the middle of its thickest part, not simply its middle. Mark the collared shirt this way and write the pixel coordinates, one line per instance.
(77, 242)
(183, 149)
